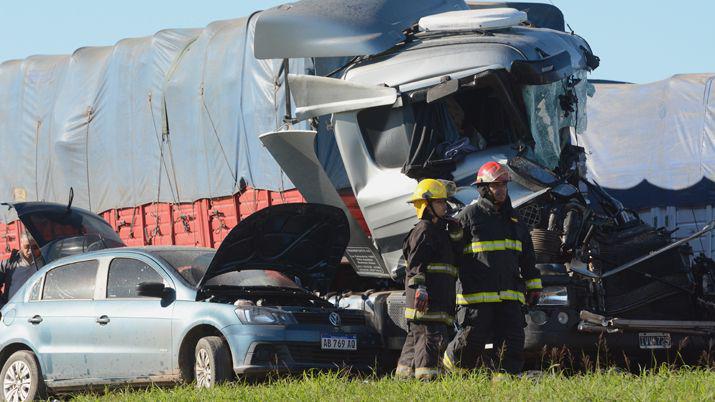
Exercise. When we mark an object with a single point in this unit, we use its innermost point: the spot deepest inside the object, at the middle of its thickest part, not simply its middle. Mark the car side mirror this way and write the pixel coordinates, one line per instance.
(151, 289)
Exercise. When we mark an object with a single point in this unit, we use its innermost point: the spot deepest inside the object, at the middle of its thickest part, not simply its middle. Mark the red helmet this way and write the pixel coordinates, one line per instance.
(492, 172)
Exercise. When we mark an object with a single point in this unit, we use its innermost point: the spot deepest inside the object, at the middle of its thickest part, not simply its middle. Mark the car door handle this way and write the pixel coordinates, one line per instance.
(103, 320)
(35, 319)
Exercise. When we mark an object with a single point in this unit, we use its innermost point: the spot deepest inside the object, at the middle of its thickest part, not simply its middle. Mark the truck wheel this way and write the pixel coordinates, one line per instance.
(22, 378)
(212, 362)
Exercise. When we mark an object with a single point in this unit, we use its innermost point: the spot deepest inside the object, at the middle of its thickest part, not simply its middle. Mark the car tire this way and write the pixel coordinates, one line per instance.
(212, 362)
(22, 378)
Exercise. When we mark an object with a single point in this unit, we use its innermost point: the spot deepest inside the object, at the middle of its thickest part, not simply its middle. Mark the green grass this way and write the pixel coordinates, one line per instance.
(659, 385)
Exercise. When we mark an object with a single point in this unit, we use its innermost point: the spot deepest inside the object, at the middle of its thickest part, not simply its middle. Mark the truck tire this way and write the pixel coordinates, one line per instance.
(212, 364)
(22, 378)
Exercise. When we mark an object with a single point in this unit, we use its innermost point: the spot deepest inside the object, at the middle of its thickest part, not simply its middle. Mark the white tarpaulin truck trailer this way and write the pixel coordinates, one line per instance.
(653, 147)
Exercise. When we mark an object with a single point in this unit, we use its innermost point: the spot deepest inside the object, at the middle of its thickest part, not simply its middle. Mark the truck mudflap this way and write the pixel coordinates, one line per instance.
(595, 323)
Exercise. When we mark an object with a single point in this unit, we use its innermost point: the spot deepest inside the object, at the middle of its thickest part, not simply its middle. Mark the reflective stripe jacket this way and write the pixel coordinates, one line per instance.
(497, 260)
(430, 259)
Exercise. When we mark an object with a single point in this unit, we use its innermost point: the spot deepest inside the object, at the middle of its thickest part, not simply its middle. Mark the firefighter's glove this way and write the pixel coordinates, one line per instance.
(421, 299)
(532, 297)
(454, 229)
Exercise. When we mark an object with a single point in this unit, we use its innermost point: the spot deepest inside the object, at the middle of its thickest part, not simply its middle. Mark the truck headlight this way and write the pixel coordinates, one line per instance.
(253, 315)
(554, 296)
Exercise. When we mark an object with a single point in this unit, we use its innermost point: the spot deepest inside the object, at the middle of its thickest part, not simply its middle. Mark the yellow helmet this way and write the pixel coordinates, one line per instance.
(427, 189)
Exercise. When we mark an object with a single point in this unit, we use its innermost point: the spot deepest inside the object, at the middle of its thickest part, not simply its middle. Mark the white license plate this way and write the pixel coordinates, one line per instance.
(654, 340)
(341, 342)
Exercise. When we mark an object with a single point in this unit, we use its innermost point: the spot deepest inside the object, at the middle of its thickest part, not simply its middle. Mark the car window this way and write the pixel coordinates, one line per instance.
(124, 276)
(71, 281)
(35, 291)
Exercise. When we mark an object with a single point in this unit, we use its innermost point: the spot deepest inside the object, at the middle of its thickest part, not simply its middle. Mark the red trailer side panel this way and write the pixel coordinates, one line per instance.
(204, 223)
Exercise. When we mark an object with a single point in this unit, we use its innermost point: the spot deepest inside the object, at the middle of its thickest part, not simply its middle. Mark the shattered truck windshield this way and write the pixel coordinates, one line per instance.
(552, 109)
(432, 137)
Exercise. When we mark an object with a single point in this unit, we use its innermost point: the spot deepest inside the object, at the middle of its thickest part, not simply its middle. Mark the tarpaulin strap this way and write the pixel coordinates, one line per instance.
(412, 314)
(443, 269)
(166, 130)
(188, 225)
(160, 143)
(157, 228)
(533, 284)
(131, 225)
(277, 84)
(90, 111)
(242, 127)
(493, 245)
(7, 236)
(206, 148)
(177, 197)
(218, 215)
(490, 297)
(218, 138)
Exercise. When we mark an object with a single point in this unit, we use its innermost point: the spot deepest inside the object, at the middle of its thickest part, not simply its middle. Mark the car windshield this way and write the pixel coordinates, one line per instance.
(192, 265)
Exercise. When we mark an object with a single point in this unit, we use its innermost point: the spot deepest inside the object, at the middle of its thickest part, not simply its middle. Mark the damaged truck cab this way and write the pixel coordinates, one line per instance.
(463, 100)
(455, 88)
(440, 89)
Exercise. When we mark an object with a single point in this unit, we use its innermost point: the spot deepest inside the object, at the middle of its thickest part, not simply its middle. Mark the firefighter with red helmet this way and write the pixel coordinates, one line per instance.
(429, 283)
(497, 276)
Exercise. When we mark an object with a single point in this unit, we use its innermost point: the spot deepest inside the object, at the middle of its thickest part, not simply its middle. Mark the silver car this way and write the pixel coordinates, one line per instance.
(166, 314)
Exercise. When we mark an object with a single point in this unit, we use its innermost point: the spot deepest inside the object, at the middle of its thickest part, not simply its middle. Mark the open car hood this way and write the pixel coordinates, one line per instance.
(295, 239)
(335, 28)
(61, 231)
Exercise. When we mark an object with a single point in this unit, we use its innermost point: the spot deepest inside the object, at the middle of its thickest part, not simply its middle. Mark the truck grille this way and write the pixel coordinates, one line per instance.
(322, 318)
(313, 354)
(531, 215)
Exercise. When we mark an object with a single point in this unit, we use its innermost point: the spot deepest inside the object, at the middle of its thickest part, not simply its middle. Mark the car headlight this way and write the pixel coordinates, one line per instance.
(554, 296)
(264, 316)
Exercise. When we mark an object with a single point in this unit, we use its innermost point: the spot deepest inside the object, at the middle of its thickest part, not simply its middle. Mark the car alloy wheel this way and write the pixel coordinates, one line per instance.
(22, 378)
(17, 382)
(203, 369)
(213, 362)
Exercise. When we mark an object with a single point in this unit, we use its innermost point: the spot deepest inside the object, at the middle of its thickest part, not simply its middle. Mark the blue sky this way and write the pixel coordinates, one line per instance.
(637, 40)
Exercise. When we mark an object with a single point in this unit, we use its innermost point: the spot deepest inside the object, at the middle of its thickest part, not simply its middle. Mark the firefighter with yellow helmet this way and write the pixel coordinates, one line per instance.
(429, 283)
